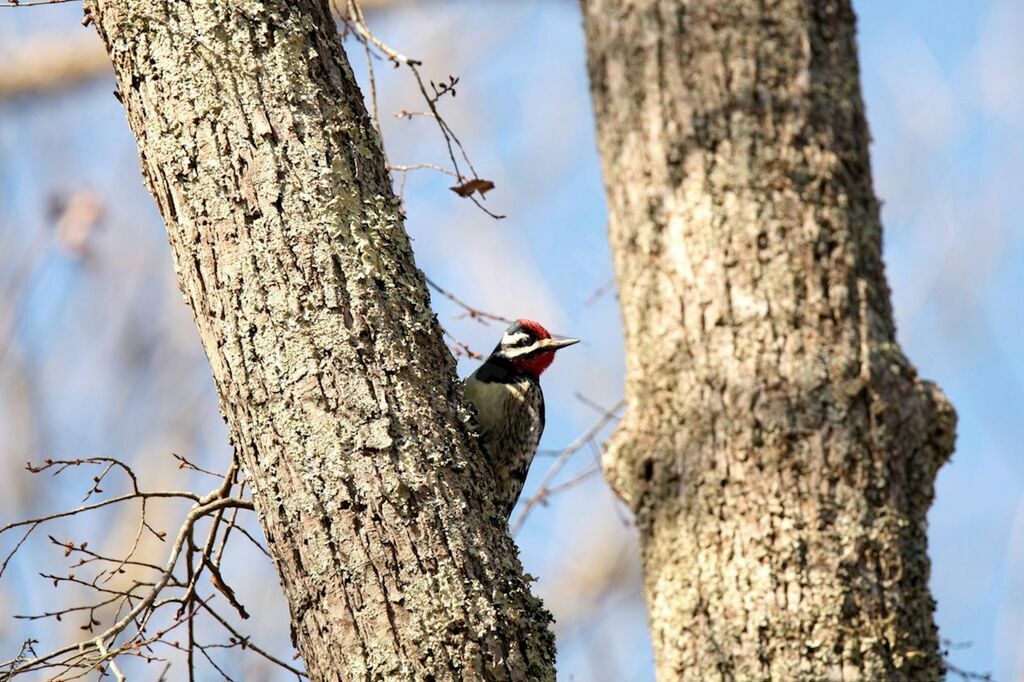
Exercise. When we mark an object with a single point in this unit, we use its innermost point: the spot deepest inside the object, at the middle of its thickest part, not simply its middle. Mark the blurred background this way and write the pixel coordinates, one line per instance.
(99, 356)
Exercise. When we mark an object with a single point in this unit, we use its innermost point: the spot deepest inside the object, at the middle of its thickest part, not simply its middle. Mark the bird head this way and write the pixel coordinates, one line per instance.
(529, 347)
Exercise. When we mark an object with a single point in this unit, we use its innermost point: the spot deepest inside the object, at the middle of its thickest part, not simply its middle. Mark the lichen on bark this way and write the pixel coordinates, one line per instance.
(778, 449)
(340, 396)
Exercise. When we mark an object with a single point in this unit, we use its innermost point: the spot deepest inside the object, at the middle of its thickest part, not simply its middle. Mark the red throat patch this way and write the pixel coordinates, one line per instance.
(535, 365)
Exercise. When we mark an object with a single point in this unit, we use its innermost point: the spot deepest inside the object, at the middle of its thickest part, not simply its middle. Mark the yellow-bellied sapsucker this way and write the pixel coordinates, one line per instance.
(509, 403)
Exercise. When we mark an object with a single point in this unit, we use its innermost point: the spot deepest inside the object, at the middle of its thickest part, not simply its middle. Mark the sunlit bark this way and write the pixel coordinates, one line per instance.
(339, 393)
(779, 450)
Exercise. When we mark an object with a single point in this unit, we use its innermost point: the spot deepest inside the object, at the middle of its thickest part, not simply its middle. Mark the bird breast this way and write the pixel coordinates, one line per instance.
(511, 414)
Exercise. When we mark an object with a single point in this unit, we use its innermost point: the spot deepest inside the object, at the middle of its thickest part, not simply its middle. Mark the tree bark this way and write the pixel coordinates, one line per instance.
(779, 450)
(340, 396)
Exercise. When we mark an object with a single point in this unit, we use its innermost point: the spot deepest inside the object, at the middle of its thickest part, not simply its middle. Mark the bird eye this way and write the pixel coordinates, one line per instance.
(518, 341)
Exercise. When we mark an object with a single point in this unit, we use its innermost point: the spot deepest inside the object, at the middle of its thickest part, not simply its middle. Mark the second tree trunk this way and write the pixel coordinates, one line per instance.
(779, 451)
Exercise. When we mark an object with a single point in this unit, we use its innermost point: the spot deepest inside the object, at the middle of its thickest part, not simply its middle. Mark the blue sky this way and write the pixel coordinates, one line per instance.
(944, 88)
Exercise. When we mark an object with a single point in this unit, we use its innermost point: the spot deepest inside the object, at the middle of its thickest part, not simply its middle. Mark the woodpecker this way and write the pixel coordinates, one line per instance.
(505, 390)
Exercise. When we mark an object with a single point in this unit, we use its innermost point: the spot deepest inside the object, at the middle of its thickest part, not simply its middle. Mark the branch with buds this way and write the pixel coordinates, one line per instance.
(135, 604)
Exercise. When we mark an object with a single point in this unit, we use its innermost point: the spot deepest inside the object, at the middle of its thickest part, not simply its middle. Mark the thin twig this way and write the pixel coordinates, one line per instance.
(466, 182)
(471, 311)
(32, 3)
(247, 644)
(207, 505)
(406, 167)
(544, 491)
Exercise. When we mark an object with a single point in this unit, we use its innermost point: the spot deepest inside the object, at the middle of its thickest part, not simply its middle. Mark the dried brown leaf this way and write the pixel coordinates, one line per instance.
(475, 185)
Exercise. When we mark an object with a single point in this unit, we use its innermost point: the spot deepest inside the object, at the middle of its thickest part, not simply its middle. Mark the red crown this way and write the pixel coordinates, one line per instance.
(534, 328)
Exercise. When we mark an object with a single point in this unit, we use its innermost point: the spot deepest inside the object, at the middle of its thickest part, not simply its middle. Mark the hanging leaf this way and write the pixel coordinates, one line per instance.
(475, 185)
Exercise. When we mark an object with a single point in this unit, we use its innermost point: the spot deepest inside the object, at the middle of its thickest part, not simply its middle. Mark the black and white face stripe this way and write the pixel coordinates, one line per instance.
(526, 349)
(519, 342)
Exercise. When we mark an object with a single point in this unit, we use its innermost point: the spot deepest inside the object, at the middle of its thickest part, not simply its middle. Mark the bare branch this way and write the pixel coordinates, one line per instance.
(545, 491)
(467, 185)
(210, 504)
(471, 311)
(54, 63)
(246, 644)
(31, 3)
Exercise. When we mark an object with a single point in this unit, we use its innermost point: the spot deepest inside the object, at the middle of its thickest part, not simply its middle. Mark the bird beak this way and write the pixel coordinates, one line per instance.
(556, 344)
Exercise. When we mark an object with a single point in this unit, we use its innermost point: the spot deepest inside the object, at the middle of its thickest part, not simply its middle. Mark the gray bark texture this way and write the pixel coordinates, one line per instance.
(340, 396)
(779, 450)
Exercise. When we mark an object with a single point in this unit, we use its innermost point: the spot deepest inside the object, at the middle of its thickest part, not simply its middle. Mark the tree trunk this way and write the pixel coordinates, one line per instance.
(779, 451)
(339, 393)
